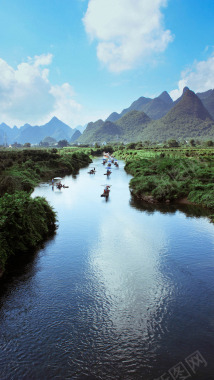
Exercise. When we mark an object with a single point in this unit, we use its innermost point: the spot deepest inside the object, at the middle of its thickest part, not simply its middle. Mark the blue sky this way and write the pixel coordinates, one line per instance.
(80, 60)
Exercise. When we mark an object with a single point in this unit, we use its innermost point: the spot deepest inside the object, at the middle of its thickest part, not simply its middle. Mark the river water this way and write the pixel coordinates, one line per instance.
(122, 291)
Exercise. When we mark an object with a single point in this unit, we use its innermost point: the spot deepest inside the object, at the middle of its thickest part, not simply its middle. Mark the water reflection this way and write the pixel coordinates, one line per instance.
(189, 210)
(125, 266)
(123, 291)
(20, 269)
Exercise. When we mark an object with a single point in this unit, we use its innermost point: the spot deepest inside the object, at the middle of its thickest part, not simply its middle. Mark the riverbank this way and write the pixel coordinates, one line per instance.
(166, 177)
(118, 275)
(25, 222)
(22, 170)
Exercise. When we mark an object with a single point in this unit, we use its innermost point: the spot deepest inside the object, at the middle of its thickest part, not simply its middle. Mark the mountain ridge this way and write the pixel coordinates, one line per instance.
(55, 129)
(186, 118)
(191, 115)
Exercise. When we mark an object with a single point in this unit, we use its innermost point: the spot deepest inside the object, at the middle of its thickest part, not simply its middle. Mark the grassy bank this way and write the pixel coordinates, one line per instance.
(22, 170)
(25, 222)
(168, 175)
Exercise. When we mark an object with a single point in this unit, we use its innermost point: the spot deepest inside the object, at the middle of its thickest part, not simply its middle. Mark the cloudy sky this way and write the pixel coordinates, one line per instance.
(80, 60)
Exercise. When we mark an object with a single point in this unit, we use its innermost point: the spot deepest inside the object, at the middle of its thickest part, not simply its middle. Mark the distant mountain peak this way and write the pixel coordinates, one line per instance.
(185, 89)
(180, 97)
(165, 97)
(55, 119)
(113, 117)
(3, 125)
(189, 106)
(56, 123)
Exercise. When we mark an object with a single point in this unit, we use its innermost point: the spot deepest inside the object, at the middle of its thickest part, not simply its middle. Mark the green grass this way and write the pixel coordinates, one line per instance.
(26, 222)
(24, 169)
(171, 174)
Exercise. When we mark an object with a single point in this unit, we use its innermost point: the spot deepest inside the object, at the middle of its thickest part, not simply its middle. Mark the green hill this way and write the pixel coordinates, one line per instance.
(91, 129)
(157, 108)
(113, 117)
(187, 119)
(132, 125)
(127, 128)
(100, 131)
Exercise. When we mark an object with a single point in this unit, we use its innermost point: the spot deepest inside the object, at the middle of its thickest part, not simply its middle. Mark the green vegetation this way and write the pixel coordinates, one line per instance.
(26, 222)
(169, 175)
(22, 170)
(182, 120)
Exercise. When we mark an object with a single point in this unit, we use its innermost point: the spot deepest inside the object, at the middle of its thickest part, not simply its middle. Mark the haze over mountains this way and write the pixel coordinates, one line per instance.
(158, 119)
(54, 129)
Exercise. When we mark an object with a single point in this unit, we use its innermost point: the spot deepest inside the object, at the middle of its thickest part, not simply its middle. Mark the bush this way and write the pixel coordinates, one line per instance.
(9, 184)
(24, 223)
(172, 178)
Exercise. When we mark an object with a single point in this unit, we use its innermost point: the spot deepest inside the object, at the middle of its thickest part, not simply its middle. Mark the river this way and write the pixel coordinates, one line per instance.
(122, 291)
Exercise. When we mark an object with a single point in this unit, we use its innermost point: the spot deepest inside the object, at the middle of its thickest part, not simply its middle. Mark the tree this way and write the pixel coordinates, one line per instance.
(173, 143)
(192, 142)
(62, 143)
(139, 145)
(131, 146)
(209, 143)
(27, 145)
(147, 143)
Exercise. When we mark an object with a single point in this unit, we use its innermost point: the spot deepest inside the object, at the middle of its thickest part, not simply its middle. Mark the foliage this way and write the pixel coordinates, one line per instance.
(171, 174)
(172, 143)
(62, 143)
(23, 169)
(24, 223)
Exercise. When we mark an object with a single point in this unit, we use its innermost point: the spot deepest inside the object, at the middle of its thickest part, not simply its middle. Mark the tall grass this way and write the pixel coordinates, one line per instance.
(169, 175)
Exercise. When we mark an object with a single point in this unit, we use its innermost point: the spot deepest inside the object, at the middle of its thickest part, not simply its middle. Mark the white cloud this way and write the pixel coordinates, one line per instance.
(26, 94)
(199, 78)
(65, 107)
(126, 30)
(41, 60)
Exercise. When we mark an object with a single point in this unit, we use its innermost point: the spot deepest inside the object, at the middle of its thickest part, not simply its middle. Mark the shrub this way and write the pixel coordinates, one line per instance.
(24, 223)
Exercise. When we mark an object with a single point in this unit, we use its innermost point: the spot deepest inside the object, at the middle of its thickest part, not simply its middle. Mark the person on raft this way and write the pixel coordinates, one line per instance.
(106, 190)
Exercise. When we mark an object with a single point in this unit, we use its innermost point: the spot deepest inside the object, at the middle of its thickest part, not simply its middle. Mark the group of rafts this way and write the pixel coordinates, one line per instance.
(109, 160)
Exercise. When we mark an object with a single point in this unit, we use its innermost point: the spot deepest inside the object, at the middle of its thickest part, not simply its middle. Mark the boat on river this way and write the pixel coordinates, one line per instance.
(106, 191)
(92, 171)
(59, 186)
(108, 172)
